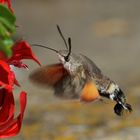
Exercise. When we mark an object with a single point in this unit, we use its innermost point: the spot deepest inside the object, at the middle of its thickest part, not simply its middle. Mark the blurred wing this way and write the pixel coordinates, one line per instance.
(90, 66)
(89, 92)
(48, 75)
(65, 86)
(76, 88)
(69, 87)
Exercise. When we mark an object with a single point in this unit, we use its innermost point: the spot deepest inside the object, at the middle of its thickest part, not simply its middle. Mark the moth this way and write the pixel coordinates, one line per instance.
(78, 77)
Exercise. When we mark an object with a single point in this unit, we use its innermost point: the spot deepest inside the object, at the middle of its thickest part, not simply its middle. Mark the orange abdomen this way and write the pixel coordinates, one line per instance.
(89, 92)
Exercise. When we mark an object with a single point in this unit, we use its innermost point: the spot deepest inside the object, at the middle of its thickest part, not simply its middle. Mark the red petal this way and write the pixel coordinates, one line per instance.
(7, 107)
(15, 124)
(6, 76)
(16, 83)
(2, 56)
(21, 50)
(15, 80)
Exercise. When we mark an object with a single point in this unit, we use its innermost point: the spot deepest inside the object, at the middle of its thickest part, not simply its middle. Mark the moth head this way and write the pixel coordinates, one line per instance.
(63, 55)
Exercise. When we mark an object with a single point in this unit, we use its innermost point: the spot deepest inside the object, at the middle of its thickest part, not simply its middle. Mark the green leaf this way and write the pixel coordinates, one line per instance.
(7, 18)
(6, 13)
(7, 28)
(3, 31)
(6, 46)
(10, 28)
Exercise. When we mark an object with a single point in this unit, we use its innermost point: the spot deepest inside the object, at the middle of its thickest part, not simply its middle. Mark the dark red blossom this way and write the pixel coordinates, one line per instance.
(7, 78)
(21, 50)
(2, 56)
(10, 126)
(8, 3)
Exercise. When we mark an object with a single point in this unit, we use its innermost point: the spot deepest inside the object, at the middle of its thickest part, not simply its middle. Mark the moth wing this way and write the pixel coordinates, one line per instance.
(76, 88)
(89, 92)
(69, 87)
(90, 66)
(65, 86)
(86, 92)
(48, 75)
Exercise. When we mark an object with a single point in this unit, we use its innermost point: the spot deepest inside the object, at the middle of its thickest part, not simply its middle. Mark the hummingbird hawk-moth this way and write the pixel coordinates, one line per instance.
(78, 77)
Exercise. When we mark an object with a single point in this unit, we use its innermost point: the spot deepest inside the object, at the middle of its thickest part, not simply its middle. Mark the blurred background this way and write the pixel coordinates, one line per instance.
(108, 32)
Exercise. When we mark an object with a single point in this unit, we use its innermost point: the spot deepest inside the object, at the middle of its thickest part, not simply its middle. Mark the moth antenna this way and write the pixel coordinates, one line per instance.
(69, 43)
(60, 32)
(42, 46)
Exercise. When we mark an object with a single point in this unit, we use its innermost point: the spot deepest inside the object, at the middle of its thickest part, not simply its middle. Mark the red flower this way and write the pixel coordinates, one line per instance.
(8, 3)
(7, 78)
(21, 50)
(10, 126)
(2, 56)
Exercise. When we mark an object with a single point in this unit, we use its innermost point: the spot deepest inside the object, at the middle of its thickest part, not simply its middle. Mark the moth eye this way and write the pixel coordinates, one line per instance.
(66, 59)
